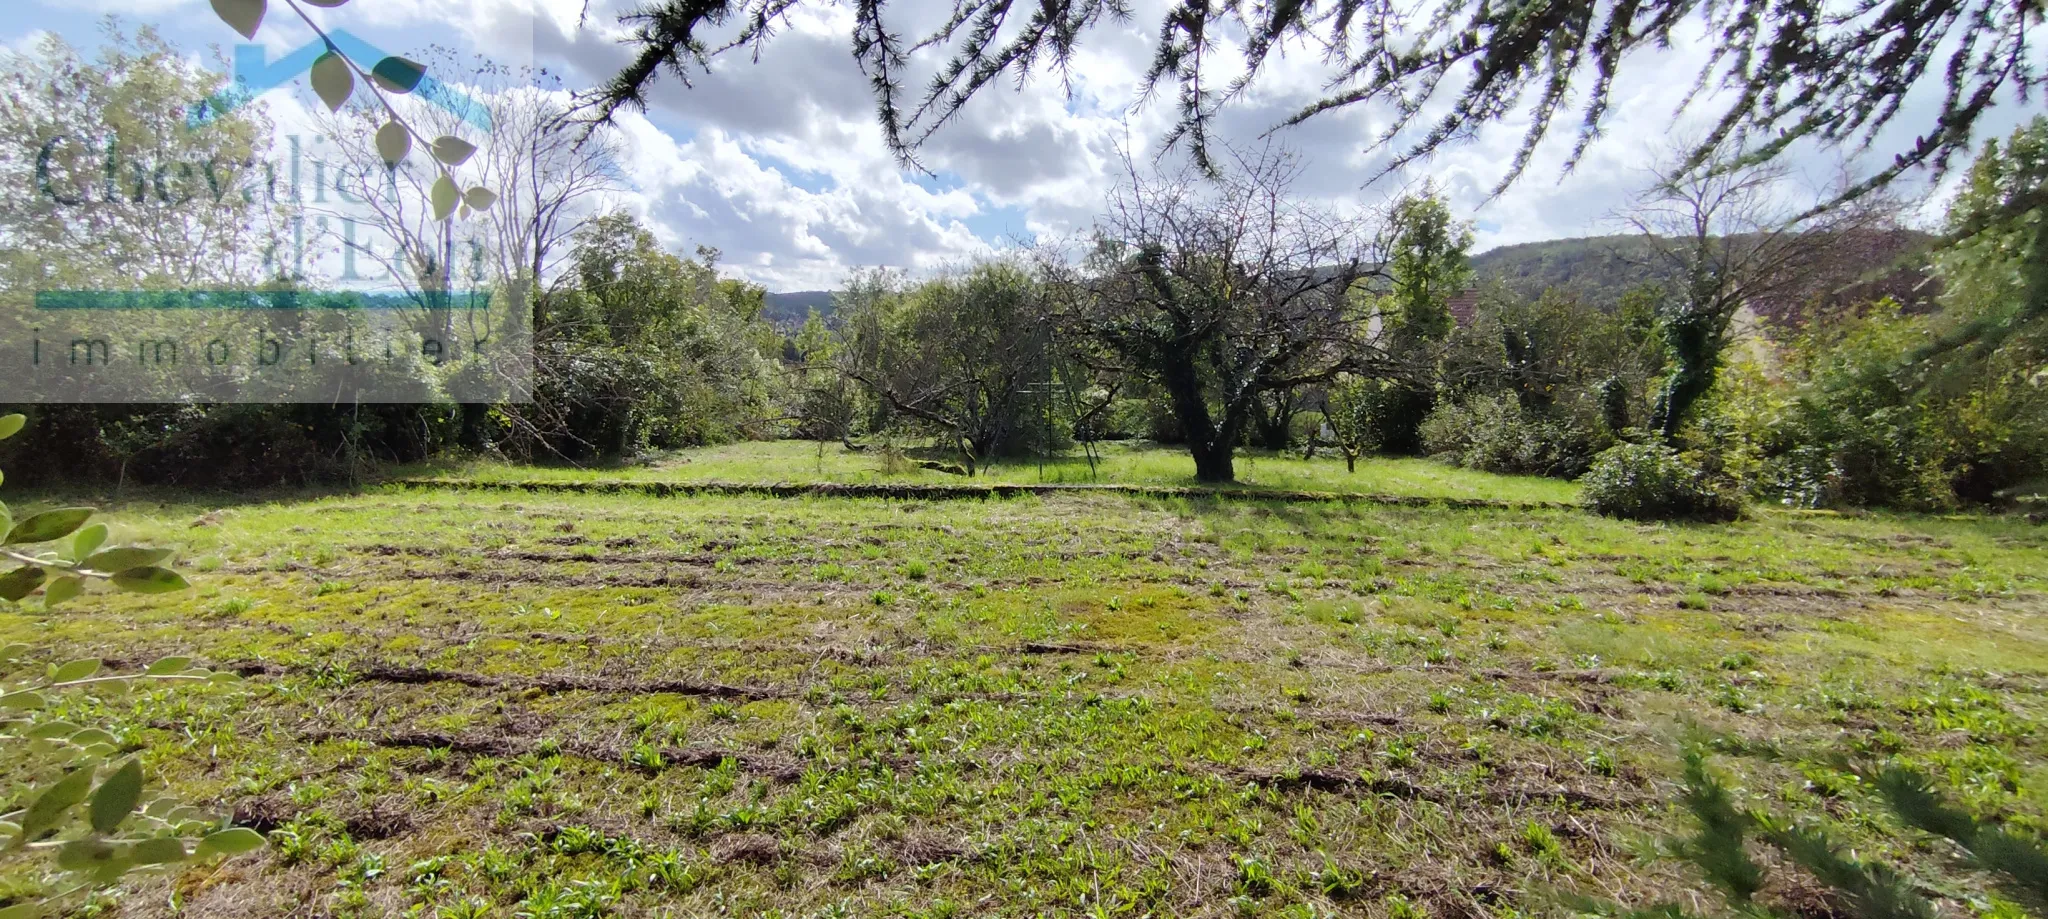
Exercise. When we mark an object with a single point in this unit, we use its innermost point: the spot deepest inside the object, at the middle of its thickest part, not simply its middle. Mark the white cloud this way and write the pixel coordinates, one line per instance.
(780, 162)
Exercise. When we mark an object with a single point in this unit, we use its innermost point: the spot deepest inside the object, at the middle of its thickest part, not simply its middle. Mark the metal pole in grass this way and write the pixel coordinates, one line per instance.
(1044, 393)
(1044, 399)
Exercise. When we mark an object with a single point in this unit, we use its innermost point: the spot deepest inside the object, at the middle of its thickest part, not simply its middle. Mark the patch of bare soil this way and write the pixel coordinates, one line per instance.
(510, 746)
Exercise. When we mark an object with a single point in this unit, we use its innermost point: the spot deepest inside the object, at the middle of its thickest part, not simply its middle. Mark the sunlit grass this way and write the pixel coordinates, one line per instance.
(546, 704)
(1118, 463)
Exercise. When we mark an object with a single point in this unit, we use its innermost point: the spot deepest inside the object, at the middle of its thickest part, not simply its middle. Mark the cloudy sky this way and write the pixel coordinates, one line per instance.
(779, 163)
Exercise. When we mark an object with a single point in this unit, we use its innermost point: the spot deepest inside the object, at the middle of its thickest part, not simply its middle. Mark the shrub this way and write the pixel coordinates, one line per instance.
(1859, 432)
(221, 445)
(1652, 482)
(1495, 434)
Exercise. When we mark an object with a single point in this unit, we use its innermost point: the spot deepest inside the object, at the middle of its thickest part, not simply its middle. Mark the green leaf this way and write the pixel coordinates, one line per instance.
(92, 737)
(333, 81)
(453, 151)
(480, 198)
(52, 730)
(116, 797)
(62, 590)
(394, 143)
(21, 582)
(76, 670)
(162, 850)
(398, 75)
(84, 855)
(29, 910)
(244, 16)
(13, 652)
(24, 700)
(49, 525)
(50, 806)
(232, 841)
(149, 580)
(445, 196)
(125, 558)
(11, 425)
(88, 540)
(169, 665)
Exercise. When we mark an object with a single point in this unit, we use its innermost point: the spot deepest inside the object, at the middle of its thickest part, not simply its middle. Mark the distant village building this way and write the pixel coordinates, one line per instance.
(1464, 306)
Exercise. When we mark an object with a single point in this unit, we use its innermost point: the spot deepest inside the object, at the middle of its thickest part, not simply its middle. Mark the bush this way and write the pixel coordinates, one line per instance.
(1652, 482)
(1850, 429)
(1494, 434)
(221, 445)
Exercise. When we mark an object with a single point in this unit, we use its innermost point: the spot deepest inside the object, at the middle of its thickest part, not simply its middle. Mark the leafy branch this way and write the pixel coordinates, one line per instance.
(1720, 849)
(80, 805)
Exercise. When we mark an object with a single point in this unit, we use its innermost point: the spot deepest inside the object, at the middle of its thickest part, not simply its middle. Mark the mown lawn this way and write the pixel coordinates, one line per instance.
(549, 705)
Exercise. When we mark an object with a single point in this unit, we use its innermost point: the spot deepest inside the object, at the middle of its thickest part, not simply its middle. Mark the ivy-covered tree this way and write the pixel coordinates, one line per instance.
(1731, 240)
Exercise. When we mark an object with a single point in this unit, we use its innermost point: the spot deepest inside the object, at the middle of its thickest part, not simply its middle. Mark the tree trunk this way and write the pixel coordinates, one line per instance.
(1212, 449)
(471, 435)
(1214, 464)
(1274, 420)
(1688, 382)
(1695, 341)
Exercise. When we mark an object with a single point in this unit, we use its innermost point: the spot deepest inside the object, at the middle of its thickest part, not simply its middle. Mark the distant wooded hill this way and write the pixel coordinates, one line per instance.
(1600, 269)
(791, 309)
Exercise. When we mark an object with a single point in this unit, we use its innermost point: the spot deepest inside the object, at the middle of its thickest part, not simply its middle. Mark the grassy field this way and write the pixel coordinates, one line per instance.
(1132, 464)
(557, 705)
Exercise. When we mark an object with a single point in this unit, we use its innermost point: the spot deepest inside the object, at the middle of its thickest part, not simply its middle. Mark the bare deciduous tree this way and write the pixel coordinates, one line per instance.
(548, 176)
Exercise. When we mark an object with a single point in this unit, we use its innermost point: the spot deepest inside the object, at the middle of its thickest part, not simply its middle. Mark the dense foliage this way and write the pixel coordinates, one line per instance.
(645, 350)
(1893, 407)
(1653, 482)
(968, 357)
(1538, 386)
(1426, 267)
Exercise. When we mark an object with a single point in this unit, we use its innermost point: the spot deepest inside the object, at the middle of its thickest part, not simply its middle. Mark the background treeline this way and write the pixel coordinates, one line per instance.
(1725, 348)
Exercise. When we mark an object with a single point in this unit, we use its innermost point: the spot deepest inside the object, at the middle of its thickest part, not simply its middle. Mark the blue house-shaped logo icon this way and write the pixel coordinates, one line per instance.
(255, 74)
